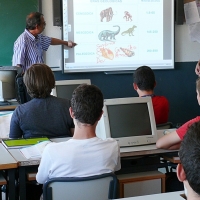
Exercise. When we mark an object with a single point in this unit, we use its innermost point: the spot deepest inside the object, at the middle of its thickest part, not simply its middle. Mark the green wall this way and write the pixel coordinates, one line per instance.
(12, 20)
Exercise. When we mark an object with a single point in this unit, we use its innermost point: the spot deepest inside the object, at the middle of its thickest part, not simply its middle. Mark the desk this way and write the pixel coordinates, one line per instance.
(8, 107)
(171, 158)
(23, 163)
(142, 150)
(11, 107)
(7, 162)
(163, 196)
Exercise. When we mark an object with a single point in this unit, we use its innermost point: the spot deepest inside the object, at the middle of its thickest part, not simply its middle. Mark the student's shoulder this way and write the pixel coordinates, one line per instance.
(110, 141)
(23, 108)
(58, 100)
(160, 98)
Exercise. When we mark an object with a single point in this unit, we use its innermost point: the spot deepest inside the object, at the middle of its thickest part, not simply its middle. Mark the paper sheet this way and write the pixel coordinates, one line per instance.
(194, 31)
(5, 118)
(35, 151)
(191, 13)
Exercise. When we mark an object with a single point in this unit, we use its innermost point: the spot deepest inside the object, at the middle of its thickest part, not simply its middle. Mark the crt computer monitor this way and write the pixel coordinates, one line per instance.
(7, 85)
(130, 121)
(65, 88)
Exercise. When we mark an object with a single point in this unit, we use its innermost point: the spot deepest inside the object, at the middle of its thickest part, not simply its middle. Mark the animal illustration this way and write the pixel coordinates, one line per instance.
(107, 53)
(127, 16)
(128, 52)
(107, 35)
(129, 31)
(107, 13)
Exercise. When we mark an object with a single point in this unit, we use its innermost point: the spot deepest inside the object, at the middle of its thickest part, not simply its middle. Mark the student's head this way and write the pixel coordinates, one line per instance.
(87, 104)
(189, 154)
(39, 80)
(35, 20)
(144, 78)
(198, 89)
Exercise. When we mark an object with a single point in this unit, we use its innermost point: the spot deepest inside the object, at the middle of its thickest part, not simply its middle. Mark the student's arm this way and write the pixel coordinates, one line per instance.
(55, 41)
(169, 141)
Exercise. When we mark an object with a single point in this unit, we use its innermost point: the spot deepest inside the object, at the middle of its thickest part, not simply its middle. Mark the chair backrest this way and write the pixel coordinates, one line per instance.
(166, 125)
(99, 187)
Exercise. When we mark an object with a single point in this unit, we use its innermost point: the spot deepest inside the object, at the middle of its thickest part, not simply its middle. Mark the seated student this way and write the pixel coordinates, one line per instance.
(87, 154)
(144, 83)
(188, 170)
(44, 115)
(173, 140)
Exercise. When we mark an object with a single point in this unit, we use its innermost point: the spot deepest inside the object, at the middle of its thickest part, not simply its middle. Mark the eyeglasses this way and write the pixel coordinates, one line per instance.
(43, 23)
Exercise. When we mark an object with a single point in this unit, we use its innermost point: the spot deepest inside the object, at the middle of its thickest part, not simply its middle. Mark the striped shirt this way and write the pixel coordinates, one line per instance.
(28, 49)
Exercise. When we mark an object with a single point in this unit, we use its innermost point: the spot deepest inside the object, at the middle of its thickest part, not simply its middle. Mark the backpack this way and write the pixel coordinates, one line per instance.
(21, 92)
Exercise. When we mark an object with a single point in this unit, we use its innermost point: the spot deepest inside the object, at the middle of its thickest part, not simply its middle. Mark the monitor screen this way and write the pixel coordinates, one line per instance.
(130, 121)
(65, 88)
(130, 115)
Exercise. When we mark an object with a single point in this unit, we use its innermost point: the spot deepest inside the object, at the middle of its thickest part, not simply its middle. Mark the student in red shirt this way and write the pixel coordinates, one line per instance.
(144, 83)
(173, 140)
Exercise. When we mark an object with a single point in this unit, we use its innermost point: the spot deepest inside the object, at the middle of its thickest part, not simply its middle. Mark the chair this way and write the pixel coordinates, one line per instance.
(166, 125)
(3, 182)
(99, 187)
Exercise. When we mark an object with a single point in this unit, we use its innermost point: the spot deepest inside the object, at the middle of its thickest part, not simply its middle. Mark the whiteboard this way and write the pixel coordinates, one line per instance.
(118, 35)
(185, 49)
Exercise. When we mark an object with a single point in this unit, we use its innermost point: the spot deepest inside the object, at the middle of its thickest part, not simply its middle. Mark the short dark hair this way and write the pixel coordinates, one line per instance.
(144, 78)
(87, 103)
(33, 19)
(39, 80)
(190, 156)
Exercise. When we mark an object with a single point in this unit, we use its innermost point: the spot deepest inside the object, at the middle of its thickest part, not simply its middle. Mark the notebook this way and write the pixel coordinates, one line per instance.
(21, 142)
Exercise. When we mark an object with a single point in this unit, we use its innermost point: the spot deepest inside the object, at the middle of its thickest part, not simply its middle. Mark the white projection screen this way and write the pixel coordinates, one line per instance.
(118, 35)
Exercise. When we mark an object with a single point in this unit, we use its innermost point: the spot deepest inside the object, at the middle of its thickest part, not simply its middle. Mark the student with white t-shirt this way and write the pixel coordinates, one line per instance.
(85, 154)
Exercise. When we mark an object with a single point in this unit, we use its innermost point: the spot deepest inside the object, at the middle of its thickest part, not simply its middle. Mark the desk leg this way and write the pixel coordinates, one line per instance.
(11, 184)
(22, 183)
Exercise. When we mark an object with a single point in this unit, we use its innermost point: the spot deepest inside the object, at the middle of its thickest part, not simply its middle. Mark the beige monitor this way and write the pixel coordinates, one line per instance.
(65, 88)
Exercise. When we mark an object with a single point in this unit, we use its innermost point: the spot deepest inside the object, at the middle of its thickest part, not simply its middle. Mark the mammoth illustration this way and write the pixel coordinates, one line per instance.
(107, 13)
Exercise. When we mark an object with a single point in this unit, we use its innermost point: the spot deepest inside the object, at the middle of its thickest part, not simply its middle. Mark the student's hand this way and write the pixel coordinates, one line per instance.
(197, 69)
(71, 44)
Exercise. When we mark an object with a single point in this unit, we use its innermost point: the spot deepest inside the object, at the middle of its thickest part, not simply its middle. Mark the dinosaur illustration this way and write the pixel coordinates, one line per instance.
(107, 35)
(129, 31)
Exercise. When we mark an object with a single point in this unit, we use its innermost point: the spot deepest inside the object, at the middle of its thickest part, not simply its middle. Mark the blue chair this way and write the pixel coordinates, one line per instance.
(99, 187)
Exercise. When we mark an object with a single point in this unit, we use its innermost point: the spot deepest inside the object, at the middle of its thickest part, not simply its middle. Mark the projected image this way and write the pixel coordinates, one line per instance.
(108, 35)
(107, 14)
(127, 16)
(117, 34)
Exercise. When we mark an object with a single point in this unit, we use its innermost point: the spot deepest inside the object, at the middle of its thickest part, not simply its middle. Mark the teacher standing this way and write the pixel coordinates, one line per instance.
(30, 45)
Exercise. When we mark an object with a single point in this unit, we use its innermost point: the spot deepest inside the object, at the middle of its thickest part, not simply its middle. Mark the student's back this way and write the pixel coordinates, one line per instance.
(85, 154)
(144, 83)
(44, 115)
